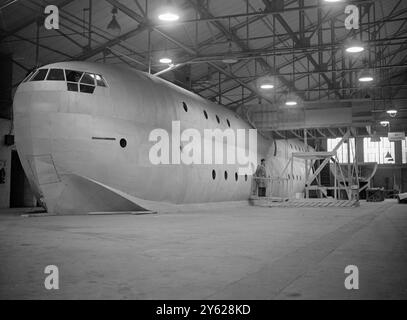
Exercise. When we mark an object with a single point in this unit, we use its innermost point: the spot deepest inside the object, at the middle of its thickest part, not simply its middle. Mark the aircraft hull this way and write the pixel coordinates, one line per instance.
(69, 144)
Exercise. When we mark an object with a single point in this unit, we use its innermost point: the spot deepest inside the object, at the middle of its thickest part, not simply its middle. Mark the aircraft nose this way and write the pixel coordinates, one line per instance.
(32, 130)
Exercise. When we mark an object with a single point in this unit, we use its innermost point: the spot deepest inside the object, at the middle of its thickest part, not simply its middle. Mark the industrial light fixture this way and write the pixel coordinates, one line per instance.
(384, 123)
(290, 100)
(229, 58)
(392, 112)
(266, 86)
(354, 46)
(366, 76)
(168, 13)
(291, 103)
(388, 156)
(166, 60)
(113, 24)
(333, 0)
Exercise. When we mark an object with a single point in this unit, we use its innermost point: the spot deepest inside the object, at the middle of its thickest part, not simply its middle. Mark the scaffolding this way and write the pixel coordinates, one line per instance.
(345, 190)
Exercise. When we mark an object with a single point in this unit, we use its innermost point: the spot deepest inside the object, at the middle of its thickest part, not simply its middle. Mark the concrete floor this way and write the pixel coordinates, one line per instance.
(241, 253)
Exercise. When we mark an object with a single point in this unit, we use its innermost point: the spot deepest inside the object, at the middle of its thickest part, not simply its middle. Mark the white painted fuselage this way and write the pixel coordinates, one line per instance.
(69, 144)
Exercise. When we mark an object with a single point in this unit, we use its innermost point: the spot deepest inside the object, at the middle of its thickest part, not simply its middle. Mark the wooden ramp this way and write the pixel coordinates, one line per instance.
(303, 203)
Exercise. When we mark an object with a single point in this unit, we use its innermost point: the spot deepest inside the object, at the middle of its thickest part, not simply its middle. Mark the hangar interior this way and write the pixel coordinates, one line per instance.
(292, 69)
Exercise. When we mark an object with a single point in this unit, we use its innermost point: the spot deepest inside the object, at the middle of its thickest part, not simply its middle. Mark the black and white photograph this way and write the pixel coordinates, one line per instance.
(216, 152)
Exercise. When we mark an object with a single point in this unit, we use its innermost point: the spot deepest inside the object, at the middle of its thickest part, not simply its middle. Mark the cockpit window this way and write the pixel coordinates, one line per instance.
(76, 80)
(100, 81)
(56, 75)
(40, 75)
(29, 75)
(88, 79)
(87, 83)
(87, 89)
(73, 76)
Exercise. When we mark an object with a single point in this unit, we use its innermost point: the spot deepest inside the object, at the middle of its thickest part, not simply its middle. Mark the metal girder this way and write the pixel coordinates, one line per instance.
(135, 16)
(242, 45)
(92, 52)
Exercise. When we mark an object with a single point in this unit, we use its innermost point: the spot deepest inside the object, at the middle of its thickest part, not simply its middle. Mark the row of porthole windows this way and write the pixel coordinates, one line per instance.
(206, 114)
(294, 177)
(123, 144)
(225, 175)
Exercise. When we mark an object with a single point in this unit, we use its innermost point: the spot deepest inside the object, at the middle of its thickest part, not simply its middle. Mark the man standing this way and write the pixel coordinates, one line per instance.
(260, 178)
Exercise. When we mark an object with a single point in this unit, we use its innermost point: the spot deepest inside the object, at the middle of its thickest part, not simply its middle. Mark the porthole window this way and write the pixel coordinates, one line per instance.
(291, 146)
(227, 120)
(205, 114)
(245, 177)
(123, 143)
(185, 106)
(213, 174)
(226, 175)
(217, 119)
(236, 176)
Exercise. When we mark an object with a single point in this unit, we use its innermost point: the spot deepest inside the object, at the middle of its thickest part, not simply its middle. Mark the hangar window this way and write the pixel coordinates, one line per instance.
(226, 175)
(342, 152)
(404, 150)
(205, 114)
(378, 151)
(217, 119)
(56, 75)
(213, 174)
(40, 75)
(185, 106)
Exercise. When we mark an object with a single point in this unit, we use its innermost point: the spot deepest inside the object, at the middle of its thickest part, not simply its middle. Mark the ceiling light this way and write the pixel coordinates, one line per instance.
(392, 112)
(354, 46)
(229, 58)
(366, 76)
(168, 13)
(267, 86)
(366, 79)
(333, 0)
(165, 60)
(168, 16)
(384, 123)
(113, 24)
(291, 103)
